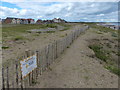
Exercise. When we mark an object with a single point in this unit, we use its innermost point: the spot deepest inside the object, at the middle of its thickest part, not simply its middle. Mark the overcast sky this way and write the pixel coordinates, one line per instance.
(70, 11)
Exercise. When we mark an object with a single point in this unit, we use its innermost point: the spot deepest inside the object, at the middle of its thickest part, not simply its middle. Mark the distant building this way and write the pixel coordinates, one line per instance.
(31, 21)
(47, 21)
(12, 21)
(39, 21)
(3, 21)
(59, 20)
(0, 21)
(24, 21)
(18, 21)
(9, 20)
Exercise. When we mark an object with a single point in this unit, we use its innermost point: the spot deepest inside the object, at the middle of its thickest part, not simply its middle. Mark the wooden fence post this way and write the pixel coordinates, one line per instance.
(37, 69)
(17, 74)
(7, 78)
(21, 81)
(3, 83)
(29, 76)
(40, 61)
(47, 56)
(13, 86)
(56, 49)
(52, 53)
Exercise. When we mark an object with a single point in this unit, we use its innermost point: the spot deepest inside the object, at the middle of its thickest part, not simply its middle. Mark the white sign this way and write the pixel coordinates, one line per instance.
(27, 65)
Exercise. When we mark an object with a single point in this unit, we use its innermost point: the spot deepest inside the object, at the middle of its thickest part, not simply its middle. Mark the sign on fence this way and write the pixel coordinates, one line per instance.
(27, 65)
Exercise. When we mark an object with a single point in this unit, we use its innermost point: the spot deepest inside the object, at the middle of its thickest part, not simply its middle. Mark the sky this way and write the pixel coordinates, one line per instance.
(74, 11)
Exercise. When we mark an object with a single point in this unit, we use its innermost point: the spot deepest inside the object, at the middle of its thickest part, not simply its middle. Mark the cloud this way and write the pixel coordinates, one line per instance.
(70, 11)
(13, 1)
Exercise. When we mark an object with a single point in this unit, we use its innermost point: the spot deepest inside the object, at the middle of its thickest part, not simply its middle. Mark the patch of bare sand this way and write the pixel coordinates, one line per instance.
(75, 69)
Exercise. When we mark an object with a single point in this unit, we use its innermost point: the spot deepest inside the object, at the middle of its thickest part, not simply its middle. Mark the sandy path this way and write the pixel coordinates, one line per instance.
(75, 69)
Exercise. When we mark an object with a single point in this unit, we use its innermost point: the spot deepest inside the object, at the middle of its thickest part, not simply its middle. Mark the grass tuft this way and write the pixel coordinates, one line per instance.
(18, 38)
(99, 52)
(5, 47)
(113, 69)
(50, 31)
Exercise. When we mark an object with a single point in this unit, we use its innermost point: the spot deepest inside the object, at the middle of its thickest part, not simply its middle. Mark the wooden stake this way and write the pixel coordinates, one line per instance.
(7, 78)
(3, 83)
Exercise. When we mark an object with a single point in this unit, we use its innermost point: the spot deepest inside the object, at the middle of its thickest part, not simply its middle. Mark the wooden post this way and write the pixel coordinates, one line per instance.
(3, 83)
(25, 79)
(21, 81)
(8, 78)
(44, 59)
(16, 73)
(52, 54)
(33, 74)
(37, 69)
(56, 49)
(29, 76)
(47, 56)
(40, 61)
(29, 79)
(13, 75)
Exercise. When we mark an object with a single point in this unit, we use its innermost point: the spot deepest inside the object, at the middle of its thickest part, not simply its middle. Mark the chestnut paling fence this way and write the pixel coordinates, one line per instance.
(12, 76)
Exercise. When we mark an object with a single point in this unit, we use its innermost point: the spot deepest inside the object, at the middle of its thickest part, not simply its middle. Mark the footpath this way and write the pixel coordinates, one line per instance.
(76, 69)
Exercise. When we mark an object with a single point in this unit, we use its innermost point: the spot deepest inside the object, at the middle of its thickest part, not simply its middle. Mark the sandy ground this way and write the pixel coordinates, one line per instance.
(76, 69)
(36, 42)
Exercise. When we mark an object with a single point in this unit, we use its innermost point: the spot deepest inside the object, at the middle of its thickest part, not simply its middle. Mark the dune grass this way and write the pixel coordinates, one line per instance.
(15, 32)
(99, 52)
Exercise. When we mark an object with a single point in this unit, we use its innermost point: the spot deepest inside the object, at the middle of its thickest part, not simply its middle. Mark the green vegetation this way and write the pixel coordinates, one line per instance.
(66, 28)
(104, 55)
(36, 34)
(68, 47)
(113, 69)
(106, 50)
(5, 47)
(62, 36)
(114, 34)
(39, 32)
(86, 77)
(99, 52)
(108, 45)
(19, 29)
(50, 31)
(118, 53)
(102, 28)
(51, 25)
(18, 38)
(12, 31)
